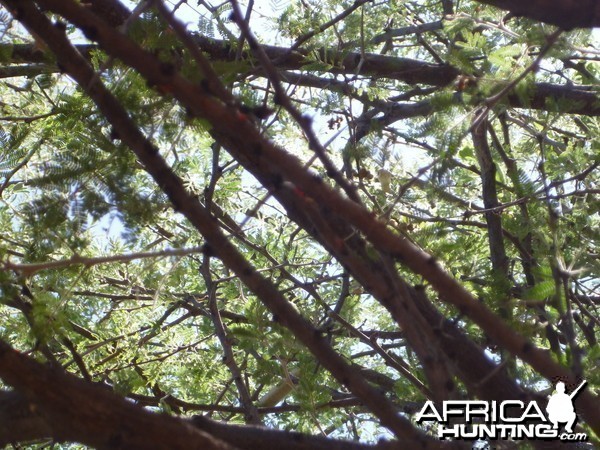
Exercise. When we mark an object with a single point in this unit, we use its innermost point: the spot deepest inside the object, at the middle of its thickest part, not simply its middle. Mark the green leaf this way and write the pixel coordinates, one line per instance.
(503, 57)
(541, 291)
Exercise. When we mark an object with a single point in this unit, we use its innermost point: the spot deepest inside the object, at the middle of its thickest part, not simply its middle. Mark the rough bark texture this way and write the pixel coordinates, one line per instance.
(567, 14)
(53, 401)
(75, 410)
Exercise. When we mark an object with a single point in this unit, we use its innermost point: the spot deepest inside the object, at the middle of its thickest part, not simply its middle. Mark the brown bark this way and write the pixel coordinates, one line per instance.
(187, 203)
(329, 221)
(566, 14)
(22, 420)
(74, 410)
(487, 167)
(273, 167)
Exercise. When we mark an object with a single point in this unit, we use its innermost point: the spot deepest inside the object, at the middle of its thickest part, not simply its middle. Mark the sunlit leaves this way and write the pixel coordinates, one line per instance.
(145, 326)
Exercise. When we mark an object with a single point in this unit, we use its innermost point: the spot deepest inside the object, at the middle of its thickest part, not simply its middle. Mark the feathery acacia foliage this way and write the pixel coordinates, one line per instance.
(311, 216)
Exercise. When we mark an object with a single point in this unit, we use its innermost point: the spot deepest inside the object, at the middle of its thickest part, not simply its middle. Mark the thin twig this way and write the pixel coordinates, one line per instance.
(31, 268)
(493, 100)
(282, 99)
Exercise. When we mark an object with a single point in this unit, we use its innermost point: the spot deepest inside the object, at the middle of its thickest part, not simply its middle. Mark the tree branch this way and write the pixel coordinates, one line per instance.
(295, 188)
(75, 410)
(566, 14)
(567, 99)
(187, 204)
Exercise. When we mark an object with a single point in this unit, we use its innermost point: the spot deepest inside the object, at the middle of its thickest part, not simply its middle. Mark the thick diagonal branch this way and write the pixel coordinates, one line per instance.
(188, 205)
(74, 410)
(280, 171)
